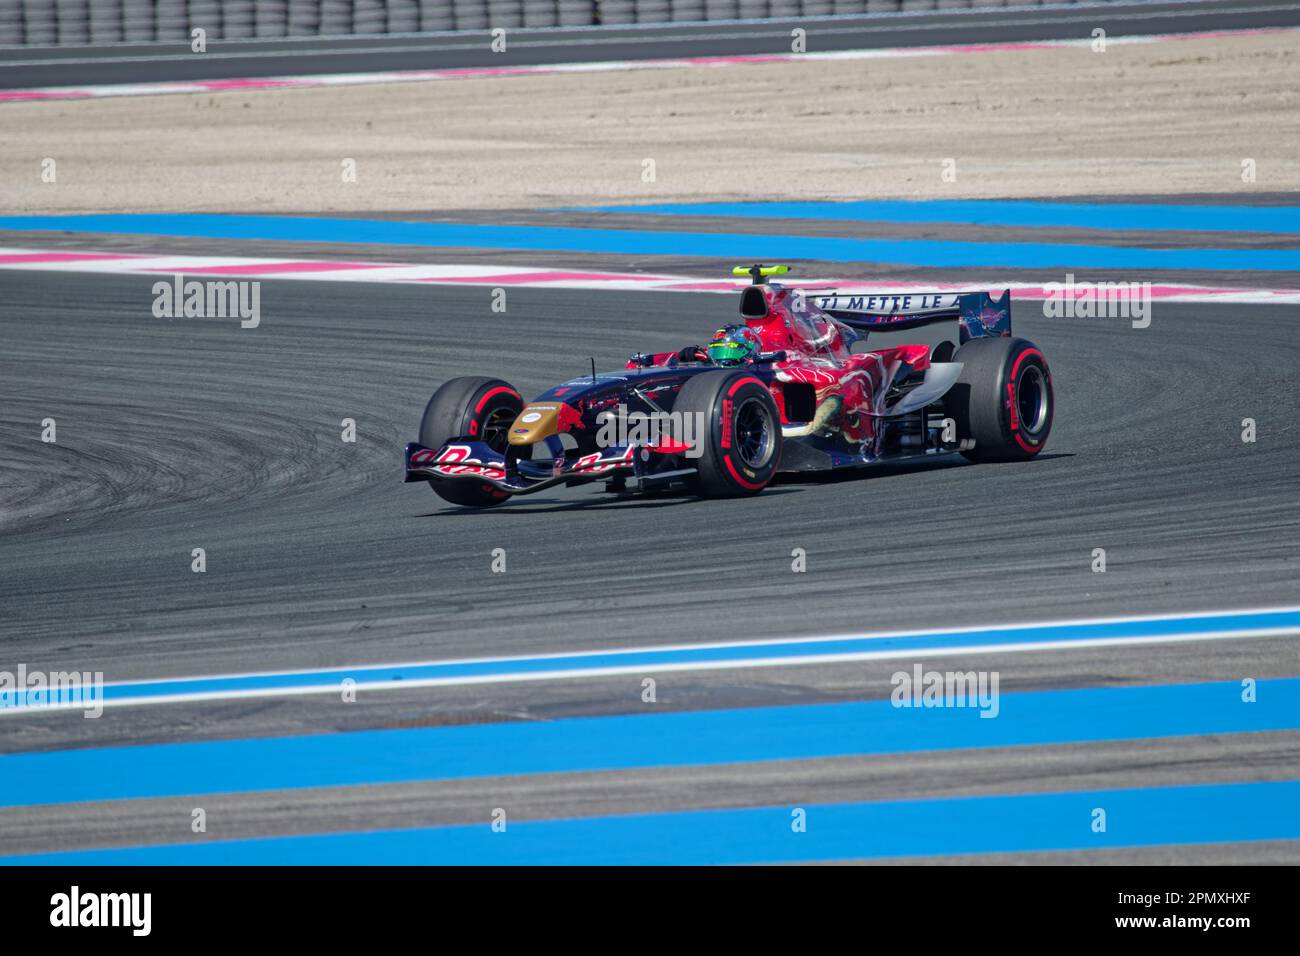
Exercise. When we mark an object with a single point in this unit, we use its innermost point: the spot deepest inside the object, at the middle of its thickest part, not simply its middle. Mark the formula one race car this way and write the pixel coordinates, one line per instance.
(811, 381)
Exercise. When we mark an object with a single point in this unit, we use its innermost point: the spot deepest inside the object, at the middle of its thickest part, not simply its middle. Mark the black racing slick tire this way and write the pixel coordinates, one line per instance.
(1003, 399)
(474, 407)
(740, 443)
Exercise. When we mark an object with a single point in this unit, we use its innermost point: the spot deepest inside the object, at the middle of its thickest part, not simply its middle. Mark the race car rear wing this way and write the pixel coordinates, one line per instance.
(977, 314)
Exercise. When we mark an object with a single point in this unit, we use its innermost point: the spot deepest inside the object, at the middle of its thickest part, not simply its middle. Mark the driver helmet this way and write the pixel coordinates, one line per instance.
(734, 345)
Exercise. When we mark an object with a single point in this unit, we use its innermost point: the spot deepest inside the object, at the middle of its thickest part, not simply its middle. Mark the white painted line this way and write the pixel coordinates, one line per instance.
(594, 672)
(1239, 625)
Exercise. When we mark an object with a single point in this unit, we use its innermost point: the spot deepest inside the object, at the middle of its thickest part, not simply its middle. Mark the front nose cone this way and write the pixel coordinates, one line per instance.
(536, 423)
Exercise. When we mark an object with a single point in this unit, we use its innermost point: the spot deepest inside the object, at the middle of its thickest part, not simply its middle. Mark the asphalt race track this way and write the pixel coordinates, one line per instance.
(231, 442)
(177, 434)
(363, 673)
(130, 63)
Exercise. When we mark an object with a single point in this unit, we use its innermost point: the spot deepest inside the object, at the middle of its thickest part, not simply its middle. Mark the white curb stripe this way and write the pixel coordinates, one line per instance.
(240, 267)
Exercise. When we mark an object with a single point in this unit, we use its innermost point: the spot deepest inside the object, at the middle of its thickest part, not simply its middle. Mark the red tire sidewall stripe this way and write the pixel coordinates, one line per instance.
(482, 402)
(1011, 396)
(752, 486)
(726, 458)
(495, 391)
(745, 381)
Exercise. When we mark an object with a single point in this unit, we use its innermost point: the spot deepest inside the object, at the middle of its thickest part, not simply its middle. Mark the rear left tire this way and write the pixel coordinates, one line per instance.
(1003, 399)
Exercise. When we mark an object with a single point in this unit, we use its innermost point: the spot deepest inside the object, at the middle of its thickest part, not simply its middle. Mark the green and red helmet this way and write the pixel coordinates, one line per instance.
(734, 345)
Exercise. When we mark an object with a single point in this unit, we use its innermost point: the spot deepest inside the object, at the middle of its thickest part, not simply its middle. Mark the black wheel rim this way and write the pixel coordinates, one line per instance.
(495, 432)
(755, 434)
(1032, 400)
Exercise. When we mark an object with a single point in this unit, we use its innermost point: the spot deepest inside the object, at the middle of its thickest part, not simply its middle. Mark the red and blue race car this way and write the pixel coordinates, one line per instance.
(809, 380)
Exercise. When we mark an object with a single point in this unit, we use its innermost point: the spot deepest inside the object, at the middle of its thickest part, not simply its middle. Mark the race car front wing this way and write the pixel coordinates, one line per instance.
(475, 461)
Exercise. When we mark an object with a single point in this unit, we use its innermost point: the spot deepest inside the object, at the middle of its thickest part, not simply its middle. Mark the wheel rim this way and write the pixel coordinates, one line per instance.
(496, 428)
(1032, 403)
(755, 435)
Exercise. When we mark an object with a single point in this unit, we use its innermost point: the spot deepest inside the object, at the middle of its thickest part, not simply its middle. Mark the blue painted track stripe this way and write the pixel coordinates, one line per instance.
(1219, 813)
(918, 252)
(637, 741)
(735, 654)
(992, 212)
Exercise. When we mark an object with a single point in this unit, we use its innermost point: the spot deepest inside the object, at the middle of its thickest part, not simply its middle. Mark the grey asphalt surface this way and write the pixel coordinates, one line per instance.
(176, 434)
(133, 63)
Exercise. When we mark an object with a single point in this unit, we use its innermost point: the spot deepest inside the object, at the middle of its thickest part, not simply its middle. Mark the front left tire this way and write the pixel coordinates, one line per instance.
(475, 407)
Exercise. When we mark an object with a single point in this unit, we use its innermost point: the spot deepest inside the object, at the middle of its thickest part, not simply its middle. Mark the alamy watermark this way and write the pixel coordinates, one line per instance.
(672, 432)
(133, 911)
(925, 689)
(62, 690)
(213, 299)
(1098, 300)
